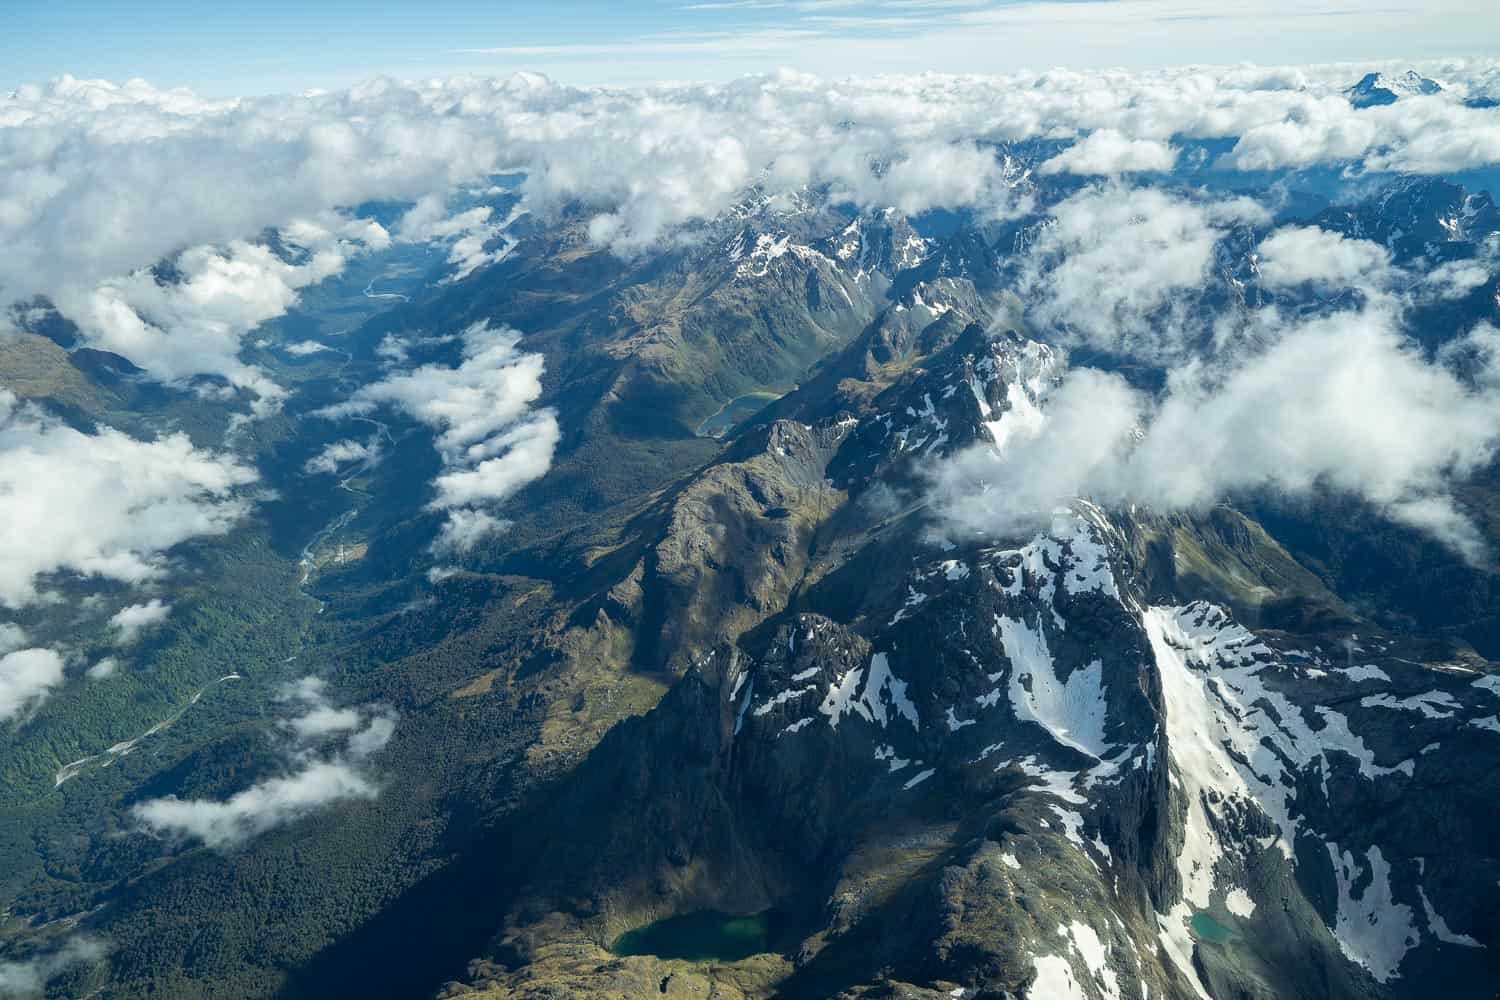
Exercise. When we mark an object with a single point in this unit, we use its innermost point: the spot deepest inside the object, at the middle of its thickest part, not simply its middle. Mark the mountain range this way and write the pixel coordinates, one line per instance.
(749, 681)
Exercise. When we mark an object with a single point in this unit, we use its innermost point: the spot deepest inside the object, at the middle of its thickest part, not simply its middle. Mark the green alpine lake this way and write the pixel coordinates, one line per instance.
(705, 935)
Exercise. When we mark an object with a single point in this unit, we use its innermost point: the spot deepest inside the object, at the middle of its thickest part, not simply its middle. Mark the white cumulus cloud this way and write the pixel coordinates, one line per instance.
(465, 529)
(341, 453)
(27, 676)
(1341, 403)
(1118, 268)
(1455, 279)
(1109, 153)
(194, 325)
(1296, 254)
(129, 622)
(105, 504)
(12, 636)
(106, 667)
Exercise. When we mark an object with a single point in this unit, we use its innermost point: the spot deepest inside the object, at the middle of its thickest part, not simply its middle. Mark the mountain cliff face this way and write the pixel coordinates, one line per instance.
(1127, 756)
(726, 661)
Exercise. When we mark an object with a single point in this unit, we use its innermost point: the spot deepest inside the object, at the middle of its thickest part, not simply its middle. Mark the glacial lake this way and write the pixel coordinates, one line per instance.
(734, 411)
(699, 937)
(1206, 928)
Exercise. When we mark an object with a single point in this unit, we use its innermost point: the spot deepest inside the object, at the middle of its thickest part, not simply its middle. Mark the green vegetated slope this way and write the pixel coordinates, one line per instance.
(509, 848)
(502, 676)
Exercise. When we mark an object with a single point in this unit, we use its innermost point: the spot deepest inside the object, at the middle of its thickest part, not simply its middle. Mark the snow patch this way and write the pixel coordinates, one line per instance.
(1073, 711)
(1054, 980)
(797, 726)
(1430, 704)
(1095, 957)
(955, 723)
(1372, 929)
(1439, 927)
(1234, 742)
(1178, 944)
(781, 699)
(918, 778)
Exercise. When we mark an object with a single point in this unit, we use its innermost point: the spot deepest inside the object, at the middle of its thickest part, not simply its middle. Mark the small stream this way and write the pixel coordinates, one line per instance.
(370, 293)
(307, 560)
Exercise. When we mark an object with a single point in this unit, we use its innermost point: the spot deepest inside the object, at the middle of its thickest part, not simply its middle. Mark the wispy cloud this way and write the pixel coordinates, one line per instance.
(318, 776)
(29, 977)
(719, 5)
(129, 622)
(27, 676)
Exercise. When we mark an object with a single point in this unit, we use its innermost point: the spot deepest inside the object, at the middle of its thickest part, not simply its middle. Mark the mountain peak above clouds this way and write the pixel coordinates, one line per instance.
(1376, 89)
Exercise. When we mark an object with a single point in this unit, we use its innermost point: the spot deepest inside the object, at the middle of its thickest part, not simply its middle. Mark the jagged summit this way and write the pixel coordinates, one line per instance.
(1377, 88)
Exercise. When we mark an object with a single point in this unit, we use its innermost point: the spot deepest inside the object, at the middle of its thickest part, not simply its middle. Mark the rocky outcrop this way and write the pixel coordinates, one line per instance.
(1053, 767)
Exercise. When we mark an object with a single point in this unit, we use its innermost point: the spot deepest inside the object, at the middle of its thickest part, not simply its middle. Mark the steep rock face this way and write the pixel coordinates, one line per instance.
(737, 325)
(976, 388)
(1317, 742)
(795, 776)
(1027, 778)
(1224, 556)
(741, 536)
(737, 541)
(1420, 217)
(1051, 767)
(881, 244)
(747, 302)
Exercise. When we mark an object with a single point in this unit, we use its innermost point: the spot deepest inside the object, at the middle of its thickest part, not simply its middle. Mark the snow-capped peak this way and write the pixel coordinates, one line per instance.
(1378, 88)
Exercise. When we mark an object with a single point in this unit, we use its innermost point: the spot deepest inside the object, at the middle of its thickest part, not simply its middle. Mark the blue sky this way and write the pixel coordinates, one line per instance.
(281, 45)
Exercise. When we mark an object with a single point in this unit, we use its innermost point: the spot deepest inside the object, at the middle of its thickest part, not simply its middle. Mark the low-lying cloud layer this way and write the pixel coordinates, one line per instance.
(102, 505)
(29, 978)
(194, 324)
(1307, 254)
(318, 776)
(98, 182)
